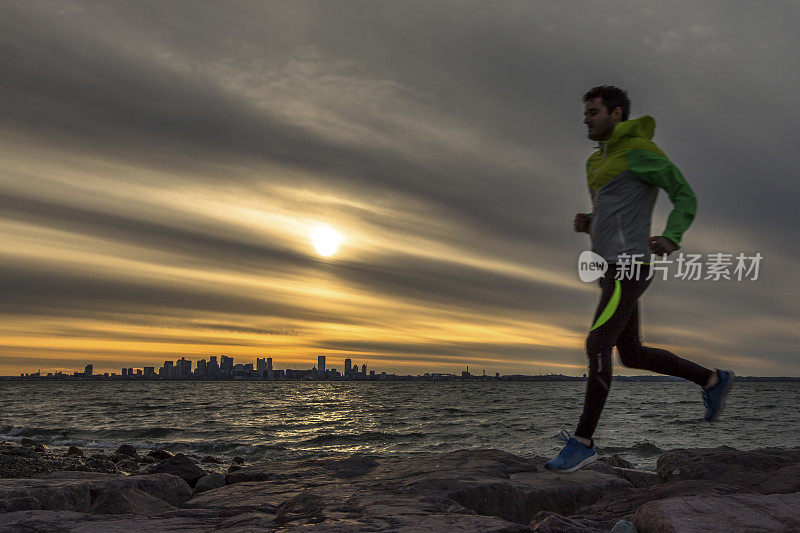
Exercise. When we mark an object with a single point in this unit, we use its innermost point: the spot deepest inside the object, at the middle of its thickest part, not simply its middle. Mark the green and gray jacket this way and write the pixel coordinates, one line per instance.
(624, 176)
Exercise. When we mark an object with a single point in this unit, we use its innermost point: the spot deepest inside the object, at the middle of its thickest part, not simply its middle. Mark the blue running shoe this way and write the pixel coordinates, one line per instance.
(714, 398)
(573, 456)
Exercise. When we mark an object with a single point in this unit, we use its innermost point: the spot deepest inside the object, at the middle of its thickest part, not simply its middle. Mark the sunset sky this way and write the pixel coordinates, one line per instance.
(163, 166)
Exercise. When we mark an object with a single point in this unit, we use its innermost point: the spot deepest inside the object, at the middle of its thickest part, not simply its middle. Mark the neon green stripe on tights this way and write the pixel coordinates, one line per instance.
(611, 306)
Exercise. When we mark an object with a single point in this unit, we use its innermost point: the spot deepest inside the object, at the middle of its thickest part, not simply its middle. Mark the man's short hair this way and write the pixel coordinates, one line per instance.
(611, 97)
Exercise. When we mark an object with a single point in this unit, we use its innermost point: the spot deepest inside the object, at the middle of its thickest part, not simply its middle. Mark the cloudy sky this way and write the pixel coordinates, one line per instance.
(163, 166)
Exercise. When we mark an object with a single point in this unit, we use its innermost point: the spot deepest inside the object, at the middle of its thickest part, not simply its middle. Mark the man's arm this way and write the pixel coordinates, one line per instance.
(657, 170)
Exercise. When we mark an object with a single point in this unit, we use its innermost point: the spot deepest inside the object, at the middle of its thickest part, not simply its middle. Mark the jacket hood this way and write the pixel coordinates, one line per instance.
(643, 127)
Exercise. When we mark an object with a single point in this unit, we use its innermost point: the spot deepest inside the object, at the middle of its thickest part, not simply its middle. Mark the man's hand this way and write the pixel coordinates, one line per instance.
(582, 221)
(660, 245)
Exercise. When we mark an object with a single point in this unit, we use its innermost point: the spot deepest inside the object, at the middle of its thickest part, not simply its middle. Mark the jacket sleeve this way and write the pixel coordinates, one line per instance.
(655, 169)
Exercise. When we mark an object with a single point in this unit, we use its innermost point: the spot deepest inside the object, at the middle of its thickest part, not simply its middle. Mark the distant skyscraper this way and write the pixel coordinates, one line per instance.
(348, 366)
(183, 368)
(124, 371)
(321, 364)
(213, 367)
(226, 367)
(88, 371)
(149, 371)
(270, 371)
(364, 369)
(261, 367)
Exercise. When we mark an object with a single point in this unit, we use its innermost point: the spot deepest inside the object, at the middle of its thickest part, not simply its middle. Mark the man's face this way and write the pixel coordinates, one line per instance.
(599, 122)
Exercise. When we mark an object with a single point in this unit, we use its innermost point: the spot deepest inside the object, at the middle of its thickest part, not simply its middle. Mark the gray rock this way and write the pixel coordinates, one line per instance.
(128, 465)
(210, 459)
(73, 491)
(211, 481)
(41, 448)
(70, 521)
(768, 471)
(127, 449)
(248, 496)
(27, 442)
(160, 455)
(531, 492)
(180, 466)
(548, 522)
(306, 506)
(639, 478)
(624, 526)
(616, 460)
(234, 468)
(621, 504)
(128, 500)
(238, 460)
(74, 450)
(742, 513)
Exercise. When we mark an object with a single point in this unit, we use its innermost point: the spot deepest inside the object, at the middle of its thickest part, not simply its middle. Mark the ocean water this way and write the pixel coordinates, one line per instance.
(280, 420)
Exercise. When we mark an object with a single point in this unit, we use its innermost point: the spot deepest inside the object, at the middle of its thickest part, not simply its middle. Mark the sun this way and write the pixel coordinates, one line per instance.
(326, 240)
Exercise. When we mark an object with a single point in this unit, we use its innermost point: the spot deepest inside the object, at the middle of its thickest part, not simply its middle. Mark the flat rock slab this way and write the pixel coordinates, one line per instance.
(249, 496)
(128, 501)
(70, 521)
(736, 513)
(767, 471)
(361, 493)
(528, 493)
(78, 494)
(621, 504)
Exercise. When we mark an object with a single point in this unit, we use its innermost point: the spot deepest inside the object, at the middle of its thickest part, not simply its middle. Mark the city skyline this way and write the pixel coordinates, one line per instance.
(395, 182)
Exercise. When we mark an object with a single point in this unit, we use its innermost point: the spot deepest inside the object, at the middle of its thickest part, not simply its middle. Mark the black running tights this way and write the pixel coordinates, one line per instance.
(616, 323)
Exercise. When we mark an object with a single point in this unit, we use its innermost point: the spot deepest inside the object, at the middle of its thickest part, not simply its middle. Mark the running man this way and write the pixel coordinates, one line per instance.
(624, 176)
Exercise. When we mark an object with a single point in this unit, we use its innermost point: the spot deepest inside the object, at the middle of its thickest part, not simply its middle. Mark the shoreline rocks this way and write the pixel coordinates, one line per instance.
(464, 490)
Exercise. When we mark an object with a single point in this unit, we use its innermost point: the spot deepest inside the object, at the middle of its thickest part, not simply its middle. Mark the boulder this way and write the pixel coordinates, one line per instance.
(624, 526)
(621, 504)
(74, 450)
(27, 442)
(75, 491)
(616, 460)
(127, 449)
(210, 459)
(178, 465)
(128, 465)
(307, 506)
(128, 500)
(737, 513)
(238, 460)
(767, 471)
(211, 481)
(160, 455)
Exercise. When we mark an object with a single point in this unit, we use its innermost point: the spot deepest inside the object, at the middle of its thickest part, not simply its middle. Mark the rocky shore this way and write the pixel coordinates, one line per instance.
(480, 490)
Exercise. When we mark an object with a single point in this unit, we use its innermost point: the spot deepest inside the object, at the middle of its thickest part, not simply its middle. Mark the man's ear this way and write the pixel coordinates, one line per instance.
(616, 113)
